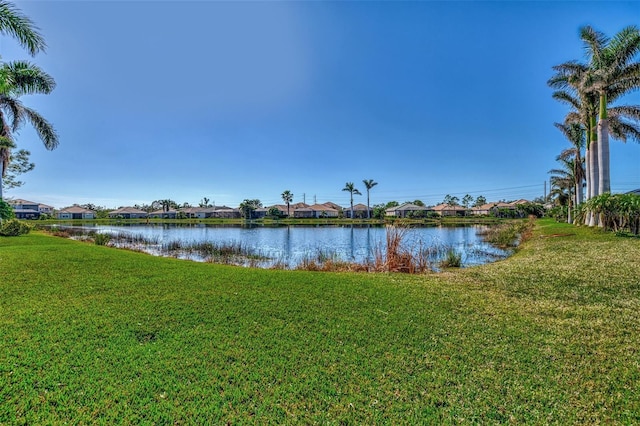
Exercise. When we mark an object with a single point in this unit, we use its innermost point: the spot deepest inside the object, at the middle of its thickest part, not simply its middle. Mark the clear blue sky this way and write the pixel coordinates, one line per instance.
(235, 100)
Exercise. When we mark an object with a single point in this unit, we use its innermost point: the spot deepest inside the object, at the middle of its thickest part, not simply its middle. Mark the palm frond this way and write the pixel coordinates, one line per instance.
(594, 44)
(623, 130)
(45, 130)
(14, 111)
(14, 23)
(24, 78)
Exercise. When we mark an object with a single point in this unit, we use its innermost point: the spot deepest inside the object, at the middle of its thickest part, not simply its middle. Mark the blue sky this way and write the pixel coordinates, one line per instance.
(235, 100)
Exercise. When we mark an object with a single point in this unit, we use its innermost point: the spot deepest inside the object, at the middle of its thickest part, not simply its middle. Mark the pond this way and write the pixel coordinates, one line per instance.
(292, 245)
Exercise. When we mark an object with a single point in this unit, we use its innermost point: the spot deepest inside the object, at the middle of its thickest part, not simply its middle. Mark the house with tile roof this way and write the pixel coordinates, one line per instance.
(75, 212)
(359, 211)
(128, 213)
(24, 209)
(407, 210)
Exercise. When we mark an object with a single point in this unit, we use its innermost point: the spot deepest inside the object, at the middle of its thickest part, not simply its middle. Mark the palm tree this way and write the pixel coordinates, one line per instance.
(572, 80)
(349, 187)
(14, 23)
(287, 197)
(614, 74)
(575, 134)
(562, 183)
(368, 183)
(17, 79)
(580, 87)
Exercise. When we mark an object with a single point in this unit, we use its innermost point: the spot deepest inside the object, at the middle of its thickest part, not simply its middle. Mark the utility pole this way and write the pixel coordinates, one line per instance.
(545, 191)
(314, 200)
(304, 197)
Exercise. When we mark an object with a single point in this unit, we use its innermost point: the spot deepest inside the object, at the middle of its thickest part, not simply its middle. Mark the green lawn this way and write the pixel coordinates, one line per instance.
(91, 334)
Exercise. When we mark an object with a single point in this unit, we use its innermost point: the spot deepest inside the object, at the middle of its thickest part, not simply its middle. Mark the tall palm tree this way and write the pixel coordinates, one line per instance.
(287, 197)
(14, 23)
(614, 74)
(571, 79)
(350, 187)
(368, 183)
(17, 79)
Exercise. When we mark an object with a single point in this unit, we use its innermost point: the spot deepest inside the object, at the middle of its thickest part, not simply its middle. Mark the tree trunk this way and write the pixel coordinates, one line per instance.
(594, 173)
(352, 205)
(604, 178)
(368, 209)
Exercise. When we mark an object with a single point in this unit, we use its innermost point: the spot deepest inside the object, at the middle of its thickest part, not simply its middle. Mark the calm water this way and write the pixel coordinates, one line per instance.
(292, 244)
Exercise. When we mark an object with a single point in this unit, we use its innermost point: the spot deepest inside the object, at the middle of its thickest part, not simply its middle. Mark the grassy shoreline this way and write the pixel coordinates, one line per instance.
(91, 334)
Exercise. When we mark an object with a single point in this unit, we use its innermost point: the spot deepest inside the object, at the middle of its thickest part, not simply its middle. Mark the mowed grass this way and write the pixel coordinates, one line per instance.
(91, 334)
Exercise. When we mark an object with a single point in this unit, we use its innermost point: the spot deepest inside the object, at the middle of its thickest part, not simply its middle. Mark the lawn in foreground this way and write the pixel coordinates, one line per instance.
(92, 334)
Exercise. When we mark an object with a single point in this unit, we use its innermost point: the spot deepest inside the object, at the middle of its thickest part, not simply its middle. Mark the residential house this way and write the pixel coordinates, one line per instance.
(407, 210)
(359, 211)
(316, 211)
(164, 214)
(495, 207)
(484, 209)
(24, 209)
(199, 212)
(128, 213)
(225, 212)
(449, 210)
(333, 206)
(634, 192)
(75, 212)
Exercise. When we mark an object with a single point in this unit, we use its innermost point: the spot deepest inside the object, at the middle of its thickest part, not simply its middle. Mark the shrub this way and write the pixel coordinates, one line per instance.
(453, 259)
(102, 239)
(6, 212)
(616, 212)
(13, 228)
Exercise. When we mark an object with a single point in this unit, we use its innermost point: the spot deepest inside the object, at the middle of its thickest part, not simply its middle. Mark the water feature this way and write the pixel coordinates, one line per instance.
(291, 245)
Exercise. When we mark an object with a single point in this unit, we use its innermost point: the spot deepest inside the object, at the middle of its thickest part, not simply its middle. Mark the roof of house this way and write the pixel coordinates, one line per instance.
(635, 191)
(75, 209)
(407, 206)
(322, 208)
(448, 207)
(127, 210)
(20, 201)
(360, 206)
(171, 211)
(298, 206)
(197, 210)
(333, 205)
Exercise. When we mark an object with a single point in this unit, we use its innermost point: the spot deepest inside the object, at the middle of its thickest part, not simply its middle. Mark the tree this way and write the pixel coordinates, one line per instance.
(17, 79)
(19, 163)
(247, 207)
(590, 88)
(480, 200)
(614, 74)
(368, 184)
(349, 187)
(418, 203)
(467, 200)
(562, 183)
(451, 200)
(576, 136)
(204, 202)
(165, 205)
(287, 197)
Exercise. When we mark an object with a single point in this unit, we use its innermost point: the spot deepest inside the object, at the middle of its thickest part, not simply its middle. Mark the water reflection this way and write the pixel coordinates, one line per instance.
(290, 244)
